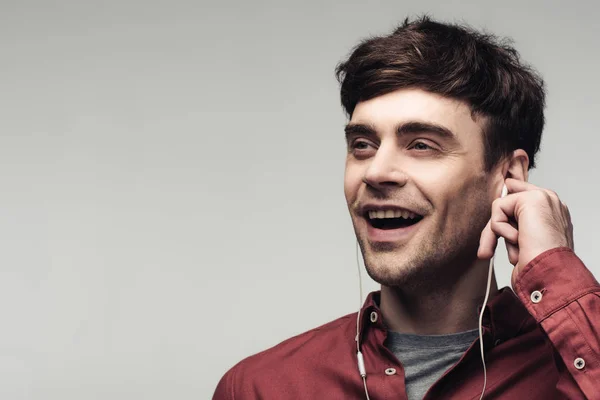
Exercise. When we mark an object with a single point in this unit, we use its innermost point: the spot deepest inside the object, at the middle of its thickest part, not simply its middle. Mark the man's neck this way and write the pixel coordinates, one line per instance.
(438, 310)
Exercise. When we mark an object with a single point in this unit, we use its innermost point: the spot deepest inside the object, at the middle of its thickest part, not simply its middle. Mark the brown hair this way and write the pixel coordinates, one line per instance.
(454, 61)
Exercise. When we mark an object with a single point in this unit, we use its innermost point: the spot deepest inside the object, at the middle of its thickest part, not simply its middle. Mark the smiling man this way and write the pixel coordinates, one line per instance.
(440, 118)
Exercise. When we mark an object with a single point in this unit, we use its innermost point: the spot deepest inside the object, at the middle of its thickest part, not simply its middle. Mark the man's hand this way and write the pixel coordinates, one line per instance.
(531, 220)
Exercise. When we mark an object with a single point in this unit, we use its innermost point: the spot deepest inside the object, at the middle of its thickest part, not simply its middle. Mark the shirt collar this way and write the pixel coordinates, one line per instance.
(503, 318)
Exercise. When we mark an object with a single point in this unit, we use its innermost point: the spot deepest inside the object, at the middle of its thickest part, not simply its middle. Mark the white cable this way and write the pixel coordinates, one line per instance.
(366, 391)
(359, 356)
(485, 300)
(360, 302)
(487, 294)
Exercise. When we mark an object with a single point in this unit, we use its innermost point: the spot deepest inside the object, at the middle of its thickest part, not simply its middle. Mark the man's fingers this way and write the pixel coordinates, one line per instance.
(501, 224)
(513, 253)
(489, 240)
(487, 243)
(506, 230)
(516, 185)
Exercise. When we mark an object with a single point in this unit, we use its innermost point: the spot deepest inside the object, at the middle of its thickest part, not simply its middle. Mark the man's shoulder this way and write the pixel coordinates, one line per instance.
(307, 353)
(328, 338)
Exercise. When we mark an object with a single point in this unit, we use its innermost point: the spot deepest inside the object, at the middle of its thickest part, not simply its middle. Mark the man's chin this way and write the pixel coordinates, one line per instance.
(407, 268)
(390, 267)
(385, 248)
(388, 277)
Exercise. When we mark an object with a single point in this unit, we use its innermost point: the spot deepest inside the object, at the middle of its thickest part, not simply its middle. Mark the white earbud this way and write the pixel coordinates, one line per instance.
(504, 191)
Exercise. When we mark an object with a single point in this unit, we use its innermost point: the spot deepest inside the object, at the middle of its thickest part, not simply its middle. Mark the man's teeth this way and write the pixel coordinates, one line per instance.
(380, 214)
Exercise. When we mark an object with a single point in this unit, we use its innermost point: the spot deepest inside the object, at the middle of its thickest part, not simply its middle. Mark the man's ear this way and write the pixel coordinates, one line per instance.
(517, 166)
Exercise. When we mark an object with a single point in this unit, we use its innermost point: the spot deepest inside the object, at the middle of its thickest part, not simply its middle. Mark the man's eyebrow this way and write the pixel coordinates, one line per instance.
(359, 129)
(421, 127)
(402, 129)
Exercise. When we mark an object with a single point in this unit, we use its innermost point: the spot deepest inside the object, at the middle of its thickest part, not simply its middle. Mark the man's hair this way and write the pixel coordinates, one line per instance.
(457, 62)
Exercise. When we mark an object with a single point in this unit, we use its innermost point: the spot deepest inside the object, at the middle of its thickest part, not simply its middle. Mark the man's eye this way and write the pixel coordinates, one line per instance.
(421, 146)
(360, 145)
(361, 148)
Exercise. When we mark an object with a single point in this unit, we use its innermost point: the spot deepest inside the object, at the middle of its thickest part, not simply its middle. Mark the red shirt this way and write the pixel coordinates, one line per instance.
(542, 341)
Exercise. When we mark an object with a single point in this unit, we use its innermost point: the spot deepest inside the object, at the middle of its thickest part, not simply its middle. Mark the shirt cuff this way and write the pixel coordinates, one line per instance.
(552, 280)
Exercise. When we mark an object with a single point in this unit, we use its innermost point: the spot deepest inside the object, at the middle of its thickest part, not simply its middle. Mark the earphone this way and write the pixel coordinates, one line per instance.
(359, 356)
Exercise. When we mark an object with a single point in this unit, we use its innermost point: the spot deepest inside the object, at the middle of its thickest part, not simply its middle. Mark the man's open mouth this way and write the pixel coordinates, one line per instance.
(391, 219)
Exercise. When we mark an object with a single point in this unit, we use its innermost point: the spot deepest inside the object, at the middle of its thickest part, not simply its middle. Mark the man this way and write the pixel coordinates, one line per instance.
(441, 118)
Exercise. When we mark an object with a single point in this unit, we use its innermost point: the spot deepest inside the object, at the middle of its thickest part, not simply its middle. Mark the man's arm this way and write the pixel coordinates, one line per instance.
(550, 280)
(564, 298)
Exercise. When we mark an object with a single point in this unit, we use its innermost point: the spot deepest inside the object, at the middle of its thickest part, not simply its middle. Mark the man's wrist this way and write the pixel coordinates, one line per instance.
(552, 280)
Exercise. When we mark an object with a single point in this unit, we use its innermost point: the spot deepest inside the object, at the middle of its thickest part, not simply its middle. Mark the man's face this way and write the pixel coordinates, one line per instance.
(416, 186)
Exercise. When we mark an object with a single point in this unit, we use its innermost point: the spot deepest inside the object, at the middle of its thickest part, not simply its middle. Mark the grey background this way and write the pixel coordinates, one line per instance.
(171, 178)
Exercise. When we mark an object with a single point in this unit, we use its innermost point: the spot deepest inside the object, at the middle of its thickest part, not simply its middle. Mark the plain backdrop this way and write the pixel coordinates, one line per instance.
(171, 178)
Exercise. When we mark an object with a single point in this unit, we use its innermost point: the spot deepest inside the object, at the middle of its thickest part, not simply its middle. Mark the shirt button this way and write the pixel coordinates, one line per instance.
(390, 371)
(579, 363)
(373, 317)
(536, 296)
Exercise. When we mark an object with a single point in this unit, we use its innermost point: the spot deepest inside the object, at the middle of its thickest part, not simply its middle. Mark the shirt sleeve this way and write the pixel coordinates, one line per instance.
(564, 298)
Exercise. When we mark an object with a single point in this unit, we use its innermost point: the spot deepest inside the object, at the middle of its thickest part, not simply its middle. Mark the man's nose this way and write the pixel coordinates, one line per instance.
(385, 169)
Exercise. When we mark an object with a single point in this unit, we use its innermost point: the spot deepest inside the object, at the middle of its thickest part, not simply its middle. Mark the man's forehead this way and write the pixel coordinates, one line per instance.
(415, 105)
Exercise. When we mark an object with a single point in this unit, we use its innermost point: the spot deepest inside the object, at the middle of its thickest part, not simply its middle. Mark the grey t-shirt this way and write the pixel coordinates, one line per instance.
(426, 358)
